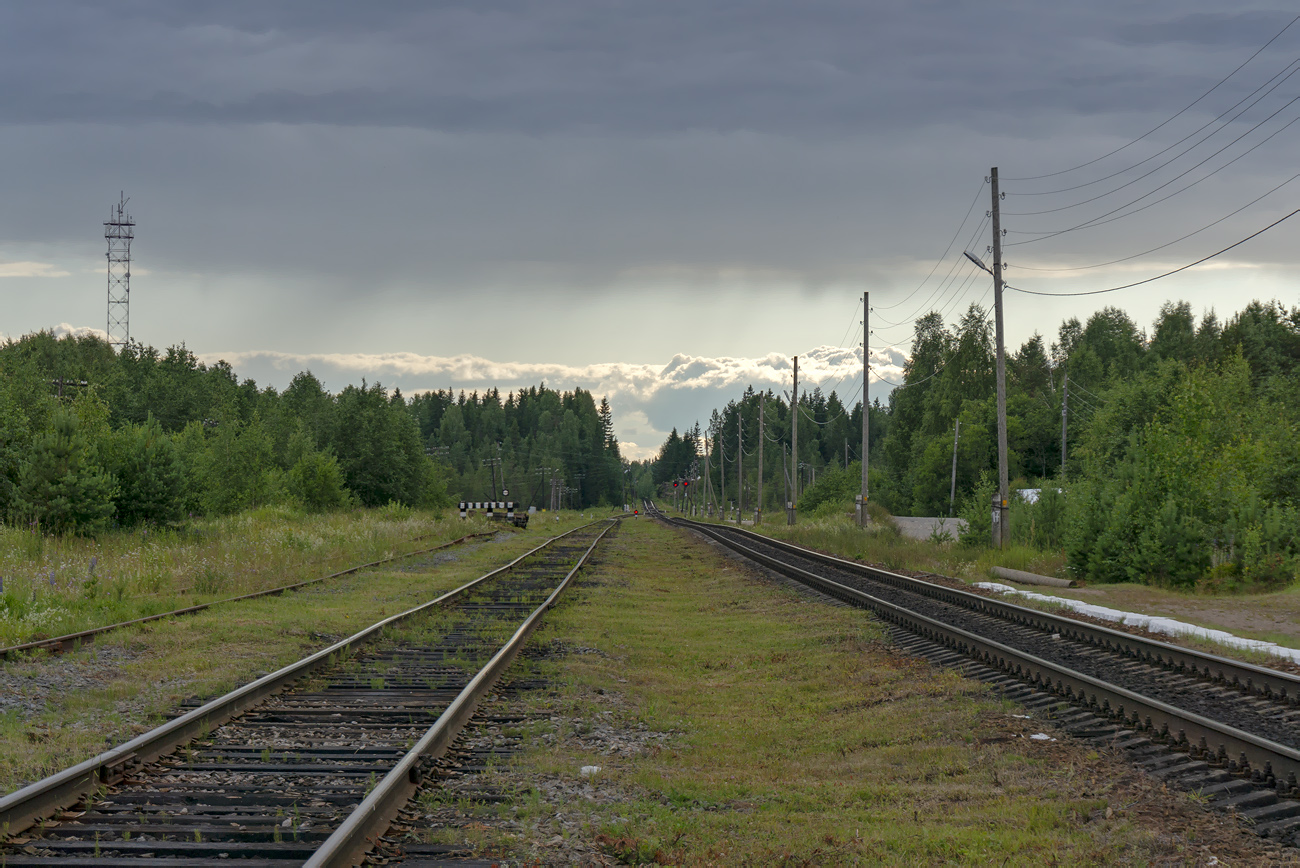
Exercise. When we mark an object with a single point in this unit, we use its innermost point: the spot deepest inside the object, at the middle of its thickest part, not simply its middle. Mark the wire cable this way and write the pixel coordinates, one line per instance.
(1160, 276)
(1173, 117)
(951, 277)
(1202, 128)
(1099, 220)
(1086, 391)
(1166, 244)
(944, 255)
(1169, 161)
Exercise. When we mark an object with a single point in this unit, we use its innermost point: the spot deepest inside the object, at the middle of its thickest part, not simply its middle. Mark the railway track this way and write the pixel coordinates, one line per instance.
(73, 641)
(1227, 728)
(308, 765)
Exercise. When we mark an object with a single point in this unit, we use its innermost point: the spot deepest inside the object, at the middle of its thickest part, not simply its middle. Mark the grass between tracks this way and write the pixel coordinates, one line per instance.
(798, 738)
(55, 711)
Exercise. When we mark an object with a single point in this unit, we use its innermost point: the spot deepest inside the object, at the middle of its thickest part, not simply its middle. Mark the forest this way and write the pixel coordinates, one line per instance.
(93, 438)
(1181, 448)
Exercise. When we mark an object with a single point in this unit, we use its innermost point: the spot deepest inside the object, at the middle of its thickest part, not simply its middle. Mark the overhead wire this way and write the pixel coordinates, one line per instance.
(1085, 403)
(1100, 219)
(1293, 66)
(1168, 120)
(1166, 244)
(944, 255)
(1086, 391)
(948, 280)
(1159, 276)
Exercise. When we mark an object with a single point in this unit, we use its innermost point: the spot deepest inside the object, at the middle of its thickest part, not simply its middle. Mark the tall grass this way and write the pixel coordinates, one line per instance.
(55, 585)
(883, 544)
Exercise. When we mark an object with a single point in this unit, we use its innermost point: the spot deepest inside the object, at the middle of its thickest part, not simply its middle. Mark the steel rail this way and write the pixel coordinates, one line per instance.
(1270, 683)
(62, 643)
(1266, 761)
(25, 807)
(356, 835)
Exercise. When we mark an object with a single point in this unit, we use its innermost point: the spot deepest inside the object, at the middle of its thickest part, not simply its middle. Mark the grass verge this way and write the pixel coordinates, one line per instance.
(737, 722)
(56, 711)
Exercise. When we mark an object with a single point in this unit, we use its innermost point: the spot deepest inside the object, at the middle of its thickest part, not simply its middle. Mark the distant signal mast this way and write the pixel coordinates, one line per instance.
(119, 230)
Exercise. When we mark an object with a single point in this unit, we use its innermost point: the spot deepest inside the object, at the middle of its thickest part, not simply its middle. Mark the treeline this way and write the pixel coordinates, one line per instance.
(544, 447)
(1182, 445)
(830, 439)
(91, 438)
(1182, 455)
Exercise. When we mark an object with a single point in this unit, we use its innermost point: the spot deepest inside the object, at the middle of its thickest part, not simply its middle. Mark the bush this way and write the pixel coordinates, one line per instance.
(316, 482)
(150, 476)
(1040, 524)
(61, 486)
(977, 510)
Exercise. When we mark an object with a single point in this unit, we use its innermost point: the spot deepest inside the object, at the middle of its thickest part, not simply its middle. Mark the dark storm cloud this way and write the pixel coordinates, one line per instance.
(798, 69)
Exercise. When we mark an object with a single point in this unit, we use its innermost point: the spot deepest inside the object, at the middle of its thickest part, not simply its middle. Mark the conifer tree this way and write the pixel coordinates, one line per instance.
(61, 486)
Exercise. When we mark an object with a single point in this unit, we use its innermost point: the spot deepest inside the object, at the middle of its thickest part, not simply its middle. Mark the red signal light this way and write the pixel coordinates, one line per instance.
(674, 485)
(686, 484)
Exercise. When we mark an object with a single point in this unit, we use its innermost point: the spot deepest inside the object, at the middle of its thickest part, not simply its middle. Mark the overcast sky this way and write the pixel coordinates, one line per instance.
(659, 201)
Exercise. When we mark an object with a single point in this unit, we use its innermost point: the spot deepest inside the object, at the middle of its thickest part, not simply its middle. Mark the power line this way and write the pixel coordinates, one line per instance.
(1099, 220)
(944, 255)
(948, 280)
(1173, 117)
(1162, 246)
(1086, 391)
(1202, 128)
(1172, 159)
(1167, 273)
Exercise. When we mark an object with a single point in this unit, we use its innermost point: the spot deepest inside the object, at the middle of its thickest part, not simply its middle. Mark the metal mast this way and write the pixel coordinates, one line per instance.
(119, 230)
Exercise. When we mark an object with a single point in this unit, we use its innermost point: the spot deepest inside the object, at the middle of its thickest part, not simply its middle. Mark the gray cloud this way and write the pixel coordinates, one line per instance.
(577, 180)
(648, 400)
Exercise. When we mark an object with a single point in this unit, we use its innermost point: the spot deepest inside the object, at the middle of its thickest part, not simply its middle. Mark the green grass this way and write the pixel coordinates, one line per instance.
(882, 544)
(798, 737)
(58, 585)
(154, 666)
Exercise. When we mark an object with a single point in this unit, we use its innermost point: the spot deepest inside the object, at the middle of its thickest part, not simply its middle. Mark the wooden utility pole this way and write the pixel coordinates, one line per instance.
(722, 475)
(1065, 409)
(762, 433)
(794, 441)
(740, 464)
(708, 483)
(1001, 527)
(952, 495)
(863, 518)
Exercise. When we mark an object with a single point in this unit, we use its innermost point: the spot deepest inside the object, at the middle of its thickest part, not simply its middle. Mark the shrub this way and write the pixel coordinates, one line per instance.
(61, 486)
(316, 482)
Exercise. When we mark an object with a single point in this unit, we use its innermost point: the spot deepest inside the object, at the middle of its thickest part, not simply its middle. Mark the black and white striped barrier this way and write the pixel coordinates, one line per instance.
(490, 506)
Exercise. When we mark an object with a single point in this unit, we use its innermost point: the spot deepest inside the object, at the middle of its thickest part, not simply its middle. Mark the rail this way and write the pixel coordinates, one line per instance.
(74, 640)
(27, 806)
(1264, 760)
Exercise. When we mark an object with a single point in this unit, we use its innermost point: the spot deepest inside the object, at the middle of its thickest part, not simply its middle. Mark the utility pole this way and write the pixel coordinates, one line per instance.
(708, 483)
(1065, 409)
(762, 432)
(952, 496)
(722, 475)
(785, 471)
(866, 398)
(1001, 527)
(740, 465)
(794, 442)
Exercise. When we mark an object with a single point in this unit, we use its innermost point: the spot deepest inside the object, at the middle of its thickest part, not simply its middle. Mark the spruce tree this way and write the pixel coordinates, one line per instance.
(61, 486)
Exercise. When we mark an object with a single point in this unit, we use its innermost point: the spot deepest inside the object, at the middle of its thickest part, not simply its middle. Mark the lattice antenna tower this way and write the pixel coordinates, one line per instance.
(119, 230)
